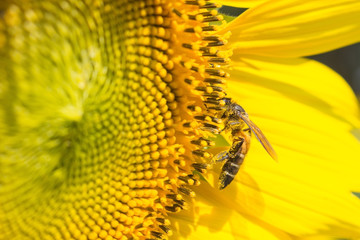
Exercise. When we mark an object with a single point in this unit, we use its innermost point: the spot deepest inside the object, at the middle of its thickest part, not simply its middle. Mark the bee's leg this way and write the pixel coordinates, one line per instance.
(225, 155)
(225, 126)
(231, 123)
(234, 124)
(220, 157)
(236, 146)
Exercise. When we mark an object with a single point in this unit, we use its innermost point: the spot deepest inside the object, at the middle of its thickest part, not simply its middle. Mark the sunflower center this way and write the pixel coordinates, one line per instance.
(107, 109)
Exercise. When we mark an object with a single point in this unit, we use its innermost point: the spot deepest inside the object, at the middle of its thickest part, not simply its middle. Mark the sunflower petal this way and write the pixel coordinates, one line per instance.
(314, 115)
(308, 192)
(300, 80)
(296, 28)
(213, 217)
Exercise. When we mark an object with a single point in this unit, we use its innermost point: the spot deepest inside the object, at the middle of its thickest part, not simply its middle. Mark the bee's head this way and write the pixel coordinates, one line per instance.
(239, 109)
(227, 101)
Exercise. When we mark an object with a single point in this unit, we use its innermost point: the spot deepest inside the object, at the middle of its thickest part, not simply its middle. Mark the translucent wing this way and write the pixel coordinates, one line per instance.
(260, 136)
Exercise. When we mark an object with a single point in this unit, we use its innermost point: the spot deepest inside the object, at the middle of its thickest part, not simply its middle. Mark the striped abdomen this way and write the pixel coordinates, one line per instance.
(230, 169)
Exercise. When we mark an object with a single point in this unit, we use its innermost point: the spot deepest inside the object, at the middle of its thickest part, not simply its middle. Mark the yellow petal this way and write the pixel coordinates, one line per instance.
(302, 111)
(214, 216)
(300, 80)
(241, 3)
(308, 119)
(307, 194)
(296, 28)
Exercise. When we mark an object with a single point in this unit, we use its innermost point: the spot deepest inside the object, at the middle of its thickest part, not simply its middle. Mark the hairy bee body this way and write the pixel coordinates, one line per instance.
(237, 121)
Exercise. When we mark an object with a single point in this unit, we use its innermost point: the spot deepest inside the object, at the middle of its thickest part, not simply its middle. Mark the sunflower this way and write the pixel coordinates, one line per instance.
(110, 118)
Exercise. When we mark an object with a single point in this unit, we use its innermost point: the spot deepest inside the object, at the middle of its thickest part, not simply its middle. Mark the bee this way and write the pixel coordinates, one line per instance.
(237, 121)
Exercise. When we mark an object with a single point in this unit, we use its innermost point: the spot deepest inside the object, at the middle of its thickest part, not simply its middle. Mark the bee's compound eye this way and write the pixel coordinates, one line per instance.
(227, 100)
(239, 108)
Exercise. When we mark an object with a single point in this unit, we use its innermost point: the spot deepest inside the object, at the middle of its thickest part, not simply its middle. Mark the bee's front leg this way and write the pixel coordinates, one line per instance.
(233, 151)
(231, 124)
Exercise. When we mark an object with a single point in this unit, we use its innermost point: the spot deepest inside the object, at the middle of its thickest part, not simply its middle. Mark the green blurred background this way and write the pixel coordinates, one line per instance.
(346, 62)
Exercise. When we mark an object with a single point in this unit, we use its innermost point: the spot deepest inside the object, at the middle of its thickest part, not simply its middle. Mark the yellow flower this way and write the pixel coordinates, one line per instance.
(308, 113)
(108, 109)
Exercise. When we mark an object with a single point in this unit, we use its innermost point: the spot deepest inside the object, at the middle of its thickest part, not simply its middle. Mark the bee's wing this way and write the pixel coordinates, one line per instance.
(260, 136)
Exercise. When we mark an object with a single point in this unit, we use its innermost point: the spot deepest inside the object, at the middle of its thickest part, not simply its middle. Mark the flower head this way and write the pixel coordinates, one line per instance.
(109, 109)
